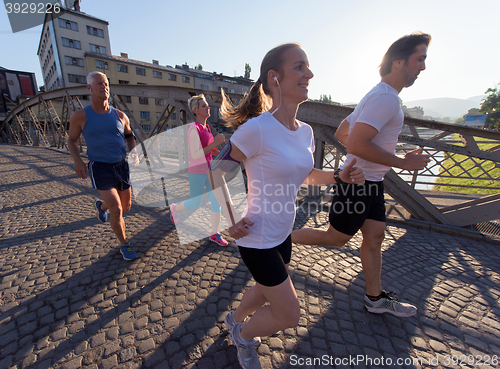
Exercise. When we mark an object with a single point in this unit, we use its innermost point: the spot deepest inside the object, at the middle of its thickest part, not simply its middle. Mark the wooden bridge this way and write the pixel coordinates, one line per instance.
(469, 153)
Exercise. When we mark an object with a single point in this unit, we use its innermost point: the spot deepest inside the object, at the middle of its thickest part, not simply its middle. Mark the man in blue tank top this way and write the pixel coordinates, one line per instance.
(107, 134)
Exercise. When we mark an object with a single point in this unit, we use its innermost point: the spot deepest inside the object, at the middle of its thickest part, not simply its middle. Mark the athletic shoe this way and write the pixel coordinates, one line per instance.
(229, 322)
(247, 354)
(127, 251)
(103, 216)
(174, 216)
(217, 238)
(387, 304)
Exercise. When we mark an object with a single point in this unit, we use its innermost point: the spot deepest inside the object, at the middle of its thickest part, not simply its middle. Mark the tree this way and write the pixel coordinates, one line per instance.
(491, 107)
(248, 69)
(199, 67)
(461, 120)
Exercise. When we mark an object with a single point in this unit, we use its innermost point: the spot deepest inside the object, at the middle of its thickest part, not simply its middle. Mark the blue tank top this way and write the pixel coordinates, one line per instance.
(104, 136)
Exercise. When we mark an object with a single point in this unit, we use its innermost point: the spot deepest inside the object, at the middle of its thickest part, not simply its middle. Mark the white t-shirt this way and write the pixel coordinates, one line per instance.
(381, 109)
(278, 161)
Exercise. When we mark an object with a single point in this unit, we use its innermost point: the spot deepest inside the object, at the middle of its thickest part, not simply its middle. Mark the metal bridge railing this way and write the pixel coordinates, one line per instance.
(467, 156)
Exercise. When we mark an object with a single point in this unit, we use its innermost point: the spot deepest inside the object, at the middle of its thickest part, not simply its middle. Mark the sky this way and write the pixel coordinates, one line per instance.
(344, 40)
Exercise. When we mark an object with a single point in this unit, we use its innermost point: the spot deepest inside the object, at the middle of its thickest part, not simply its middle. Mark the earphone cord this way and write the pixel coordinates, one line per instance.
(275, 110)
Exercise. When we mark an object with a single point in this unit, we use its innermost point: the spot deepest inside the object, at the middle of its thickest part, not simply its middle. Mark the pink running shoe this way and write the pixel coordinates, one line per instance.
(217, 238)
(174, 216)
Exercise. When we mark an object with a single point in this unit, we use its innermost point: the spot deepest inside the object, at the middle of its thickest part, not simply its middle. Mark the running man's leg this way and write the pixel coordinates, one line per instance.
(371, 255)
(113, 201)
(314, 236)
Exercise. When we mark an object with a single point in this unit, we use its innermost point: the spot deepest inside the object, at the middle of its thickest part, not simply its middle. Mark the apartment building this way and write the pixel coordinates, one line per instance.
(63, 43)
(124, 71)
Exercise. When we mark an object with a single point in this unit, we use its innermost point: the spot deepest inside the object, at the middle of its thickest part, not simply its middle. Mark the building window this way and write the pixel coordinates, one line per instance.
(159, 102)
(145, 115)
(174, 116)
(156, 74)
(140, 71)
(95, 31)
(122, 82)
(172, 77)
(140, 83)
(75, 44)
(127, 99)
(204, 87)
(101, 64)
(70, 60)
(68, 24)
(143, 101)
(97, 49)
(74, 78)
(122, 68)
(146, 127)
(185, 79)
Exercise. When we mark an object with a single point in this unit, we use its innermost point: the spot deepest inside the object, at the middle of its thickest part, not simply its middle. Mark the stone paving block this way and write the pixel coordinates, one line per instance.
(178, 295)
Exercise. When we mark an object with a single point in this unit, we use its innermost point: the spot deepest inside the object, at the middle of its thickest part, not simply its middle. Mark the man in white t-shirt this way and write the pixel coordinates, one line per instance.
(370, 134)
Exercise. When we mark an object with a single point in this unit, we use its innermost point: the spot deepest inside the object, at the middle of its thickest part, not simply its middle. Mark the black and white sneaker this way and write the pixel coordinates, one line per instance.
(387, 304)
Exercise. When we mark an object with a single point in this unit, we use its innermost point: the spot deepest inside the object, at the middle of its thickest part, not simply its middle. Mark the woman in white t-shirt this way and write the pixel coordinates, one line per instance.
(277, 151)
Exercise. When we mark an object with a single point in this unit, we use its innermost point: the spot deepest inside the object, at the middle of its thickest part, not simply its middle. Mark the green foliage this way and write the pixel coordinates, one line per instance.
(324, 99)
(248, 69)
(491, 107)
(461, 121)
(199, 67)
(471, 172)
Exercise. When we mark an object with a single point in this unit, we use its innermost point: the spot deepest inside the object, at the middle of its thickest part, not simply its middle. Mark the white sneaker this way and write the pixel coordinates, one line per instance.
(247, 353)
(387, 304)
(229, 322)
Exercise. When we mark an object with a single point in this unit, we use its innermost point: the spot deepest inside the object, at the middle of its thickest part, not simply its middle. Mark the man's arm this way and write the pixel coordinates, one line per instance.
(349, 174)
(76, 123)
(360, 144)
(129, 137)
(342, 133)
(127, 130)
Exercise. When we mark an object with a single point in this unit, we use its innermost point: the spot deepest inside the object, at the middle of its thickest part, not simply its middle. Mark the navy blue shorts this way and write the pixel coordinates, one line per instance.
(106, 176)
(268, 266)
(352, 204)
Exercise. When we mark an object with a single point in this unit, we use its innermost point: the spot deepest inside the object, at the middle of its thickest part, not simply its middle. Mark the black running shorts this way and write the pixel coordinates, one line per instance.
(106, 176)
(268, 266)
(352, 204)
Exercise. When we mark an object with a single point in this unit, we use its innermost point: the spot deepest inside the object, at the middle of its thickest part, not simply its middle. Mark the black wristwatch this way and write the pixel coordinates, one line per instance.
(336, 175)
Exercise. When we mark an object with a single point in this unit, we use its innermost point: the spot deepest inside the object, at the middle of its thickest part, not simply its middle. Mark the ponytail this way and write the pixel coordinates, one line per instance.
(257, 100)
(254, 103)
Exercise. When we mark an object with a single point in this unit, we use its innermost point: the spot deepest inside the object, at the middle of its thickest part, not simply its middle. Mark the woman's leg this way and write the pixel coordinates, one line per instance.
(196, 191)
(215, 207)
(283, 310)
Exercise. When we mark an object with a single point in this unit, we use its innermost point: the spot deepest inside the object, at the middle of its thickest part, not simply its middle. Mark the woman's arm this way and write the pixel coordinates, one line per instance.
(195, 148)
(239, 226)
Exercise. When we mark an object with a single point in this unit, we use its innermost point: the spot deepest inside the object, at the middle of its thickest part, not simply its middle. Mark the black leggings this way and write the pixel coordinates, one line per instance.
(268, 266)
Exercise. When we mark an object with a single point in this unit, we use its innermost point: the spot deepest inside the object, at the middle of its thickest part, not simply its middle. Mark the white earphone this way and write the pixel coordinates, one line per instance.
(276, 79)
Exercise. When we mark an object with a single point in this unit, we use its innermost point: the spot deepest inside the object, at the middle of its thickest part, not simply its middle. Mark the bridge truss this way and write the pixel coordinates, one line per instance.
(458, 153)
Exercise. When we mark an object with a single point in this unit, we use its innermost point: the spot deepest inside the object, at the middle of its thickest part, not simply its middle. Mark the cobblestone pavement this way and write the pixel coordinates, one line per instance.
(69, 300)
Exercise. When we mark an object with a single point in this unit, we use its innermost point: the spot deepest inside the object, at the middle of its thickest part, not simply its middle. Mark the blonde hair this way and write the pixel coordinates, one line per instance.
(194, 102)
(257, 100)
